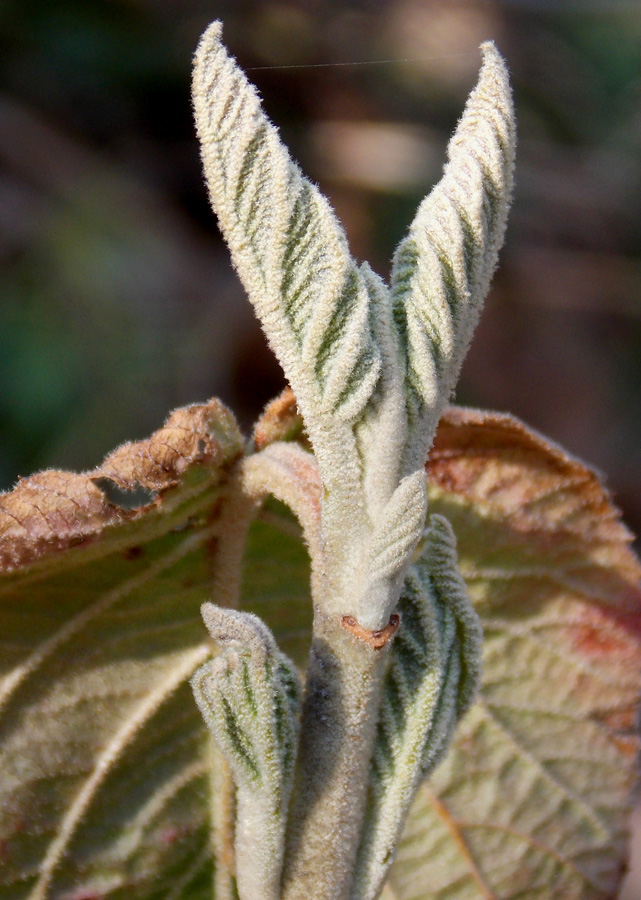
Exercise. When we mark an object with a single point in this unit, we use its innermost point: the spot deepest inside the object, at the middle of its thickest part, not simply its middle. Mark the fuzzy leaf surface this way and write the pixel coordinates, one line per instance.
(532, 800)
(106, 785)
(102, 743)
(287, 245)
(443, 267)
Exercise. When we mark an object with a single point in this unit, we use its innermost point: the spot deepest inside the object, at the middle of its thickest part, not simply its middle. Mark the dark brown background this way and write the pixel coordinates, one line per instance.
(117, 299)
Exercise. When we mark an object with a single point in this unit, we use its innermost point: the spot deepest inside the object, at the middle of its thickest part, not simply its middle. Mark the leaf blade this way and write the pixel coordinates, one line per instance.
(106, 787)
(551, 535)
(533, 798)
(442, 268)
(286, 243)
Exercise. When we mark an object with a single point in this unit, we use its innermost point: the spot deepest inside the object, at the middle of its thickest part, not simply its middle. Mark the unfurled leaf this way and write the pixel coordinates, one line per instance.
(533, 798)
(107, 786)
(106, 782)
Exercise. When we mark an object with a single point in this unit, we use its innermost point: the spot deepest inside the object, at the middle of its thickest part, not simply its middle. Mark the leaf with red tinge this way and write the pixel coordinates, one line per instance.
(105, 785)
(534, 797)
(280, 421)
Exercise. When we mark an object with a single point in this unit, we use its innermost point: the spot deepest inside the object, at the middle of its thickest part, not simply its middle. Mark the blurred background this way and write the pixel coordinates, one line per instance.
(117, 298)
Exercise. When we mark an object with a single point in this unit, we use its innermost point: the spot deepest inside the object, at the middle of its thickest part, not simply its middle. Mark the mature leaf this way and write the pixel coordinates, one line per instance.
(533, 799)
(105, 760)
(106, 788)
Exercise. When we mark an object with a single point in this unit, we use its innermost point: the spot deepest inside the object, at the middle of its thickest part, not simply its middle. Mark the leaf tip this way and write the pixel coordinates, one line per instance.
(211, 36)
(230, 626)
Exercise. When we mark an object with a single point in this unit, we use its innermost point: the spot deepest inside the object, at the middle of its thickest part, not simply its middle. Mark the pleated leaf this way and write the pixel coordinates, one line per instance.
(249, 697)
(289, 249)
(442, 269)
(371, 368)
(432, 677)
(398, 529)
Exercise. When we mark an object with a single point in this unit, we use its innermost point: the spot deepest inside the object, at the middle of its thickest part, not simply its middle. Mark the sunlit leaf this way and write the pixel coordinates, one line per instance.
(105, 787)
(533, 799)
(443, 267)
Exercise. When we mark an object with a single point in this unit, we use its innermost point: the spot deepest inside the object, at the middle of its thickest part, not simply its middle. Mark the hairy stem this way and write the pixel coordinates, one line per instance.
(339, 715)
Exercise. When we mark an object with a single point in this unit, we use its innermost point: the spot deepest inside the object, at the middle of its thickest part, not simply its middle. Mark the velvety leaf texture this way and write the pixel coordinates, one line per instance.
(288, 247)
(106, 787)
(532, 801)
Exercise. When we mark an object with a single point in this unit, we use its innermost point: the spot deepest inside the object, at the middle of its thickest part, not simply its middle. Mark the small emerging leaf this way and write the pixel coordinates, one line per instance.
(250, 699)
(432, 676)
(398, 530)
(280, 421)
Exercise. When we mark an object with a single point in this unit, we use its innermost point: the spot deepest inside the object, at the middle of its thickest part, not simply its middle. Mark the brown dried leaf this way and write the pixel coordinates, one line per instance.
(54, 510)
(204, 434)
(280, 421)
(105, 761)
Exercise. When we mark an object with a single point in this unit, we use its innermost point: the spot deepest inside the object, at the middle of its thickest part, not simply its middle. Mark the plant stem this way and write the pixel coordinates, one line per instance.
(330, 793)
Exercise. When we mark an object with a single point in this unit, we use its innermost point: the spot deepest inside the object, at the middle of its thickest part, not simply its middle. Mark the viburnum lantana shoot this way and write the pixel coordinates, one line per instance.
(395, 656)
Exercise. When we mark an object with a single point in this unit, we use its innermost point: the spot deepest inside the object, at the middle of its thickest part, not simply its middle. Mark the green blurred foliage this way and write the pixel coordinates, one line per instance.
(117, 299)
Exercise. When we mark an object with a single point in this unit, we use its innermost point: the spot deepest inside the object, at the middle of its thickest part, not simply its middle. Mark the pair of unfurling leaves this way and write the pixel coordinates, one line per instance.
(372, 366)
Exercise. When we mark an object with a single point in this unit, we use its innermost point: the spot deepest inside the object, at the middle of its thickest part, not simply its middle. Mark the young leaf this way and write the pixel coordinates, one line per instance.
(442, 269)
(371, 370)
(281, 421)
(432, 676)
(397, 532)
(250, 698)
(312, 299)
(288, 247)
